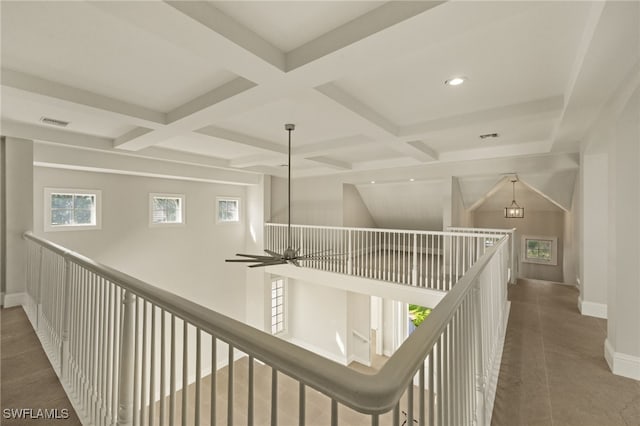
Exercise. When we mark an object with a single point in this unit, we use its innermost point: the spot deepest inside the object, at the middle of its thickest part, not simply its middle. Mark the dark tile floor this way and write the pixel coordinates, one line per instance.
(27, 380)
(553, 369)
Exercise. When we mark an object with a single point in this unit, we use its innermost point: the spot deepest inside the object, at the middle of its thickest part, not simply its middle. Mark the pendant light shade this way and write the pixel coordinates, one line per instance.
(514, 211)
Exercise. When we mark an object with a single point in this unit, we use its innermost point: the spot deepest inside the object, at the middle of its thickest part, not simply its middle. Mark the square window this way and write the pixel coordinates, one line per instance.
(228, 210)
(166, 209)
(540, 249)
(71, 209)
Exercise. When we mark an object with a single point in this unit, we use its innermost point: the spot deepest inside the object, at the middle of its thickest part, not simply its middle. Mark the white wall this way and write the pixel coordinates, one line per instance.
(355, 213)
(541, 223)
(406, 205)
(18, 218)
(460, 216)
(359, 321)
(314, 201)
(622, 348)
(186, 260)
(594, 248)
(318, 319)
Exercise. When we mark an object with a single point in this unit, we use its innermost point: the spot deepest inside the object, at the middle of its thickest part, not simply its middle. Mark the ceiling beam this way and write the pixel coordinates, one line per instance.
(379, 19)
(524, 110)
(420, 146)
(40, 90)
(220, 133)
(381, 126)
(333, 163)
(207, 14)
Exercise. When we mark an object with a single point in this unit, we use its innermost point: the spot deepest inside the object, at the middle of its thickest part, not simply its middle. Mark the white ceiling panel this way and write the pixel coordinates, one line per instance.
(212, 147)
(26, 110)
(317, 119)
(290, 24)
(77, 44)
(527, 56)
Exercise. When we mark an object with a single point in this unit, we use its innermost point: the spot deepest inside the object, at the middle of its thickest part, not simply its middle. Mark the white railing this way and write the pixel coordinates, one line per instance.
(513, 244)
(434, 260)
(127, 351)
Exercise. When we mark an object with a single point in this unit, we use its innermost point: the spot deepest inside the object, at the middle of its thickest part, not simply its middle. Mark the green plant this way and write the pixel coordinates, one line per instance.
(418, 314)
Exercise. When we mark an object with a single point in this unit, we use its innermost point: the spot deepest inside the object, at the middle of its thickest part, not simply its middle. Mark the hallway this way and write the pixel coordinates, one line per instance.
(553, 369)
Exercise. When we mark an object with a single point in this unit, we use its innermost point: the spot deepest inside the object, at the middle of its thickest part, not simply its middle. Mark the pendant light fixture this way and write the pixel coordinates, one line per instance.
(514, 211)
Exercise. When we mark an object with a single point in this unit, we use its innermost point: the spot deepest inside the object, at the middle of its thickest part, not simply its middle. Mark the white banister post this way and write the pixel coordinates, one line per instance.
(125, 382)
(39, 290)
(480, 383)
(349, 256)
(414, 269)
(66, 288)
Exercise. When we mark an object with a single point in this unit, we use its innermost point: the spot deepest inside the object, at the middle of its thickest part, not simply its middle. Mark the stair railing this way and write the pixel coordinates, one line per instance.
(127, 352)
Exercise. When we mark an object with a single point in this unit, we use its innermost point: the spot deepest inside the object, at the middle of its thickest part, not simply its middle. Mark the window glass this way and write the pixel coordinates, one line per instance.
(67, 209)
(166, 209)
(228, 210)
(277, 306)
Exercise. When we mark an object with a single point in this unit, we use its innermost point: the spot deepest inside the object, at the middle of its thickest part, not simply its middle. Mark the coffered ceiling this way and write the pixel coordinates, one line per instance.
(363, 81)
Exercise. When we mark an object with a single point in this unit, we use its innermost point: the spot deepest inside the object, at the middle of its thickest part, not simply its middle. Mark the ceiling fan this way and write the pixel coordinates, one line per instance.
(290, 255)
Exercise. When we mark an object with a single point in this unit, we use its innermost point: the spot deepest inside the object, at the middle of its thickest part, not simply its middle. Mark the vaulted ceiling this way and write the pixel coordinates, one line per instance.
(214, 82)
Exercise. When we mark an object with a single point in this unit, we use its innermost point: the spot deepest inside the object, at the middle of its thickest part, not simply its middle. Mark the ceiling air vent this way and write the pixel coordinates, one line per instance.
(489, 135)
(54, 122)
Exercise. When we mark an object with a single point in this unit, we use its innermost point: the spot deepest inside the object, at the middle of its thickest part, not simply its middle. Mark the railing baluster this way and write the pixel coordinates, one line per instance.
(162, 365)
(230, 388)
(274, 396)
(152, 367)
(396, 414)
(334, 412)
(250, 395)
(143, 379)
(421, 405)
(198, 375)
(301, 404)
(172, 373)
(138, 401)
(214, 370)
(185, 371)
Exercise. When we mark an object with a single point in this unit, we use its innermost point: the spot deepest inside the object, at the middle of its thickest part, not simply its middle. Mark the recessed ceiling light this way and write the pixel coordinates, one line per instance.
(411, 180)
(455, 81)
(489, 135)
(373, 181)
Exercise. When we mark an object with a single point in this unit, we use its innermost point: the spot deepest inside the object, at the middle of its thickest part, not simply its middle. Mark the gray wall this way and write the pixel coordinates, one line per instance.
(355, 212)
(543, 223)
(18, 216)
(186, 260)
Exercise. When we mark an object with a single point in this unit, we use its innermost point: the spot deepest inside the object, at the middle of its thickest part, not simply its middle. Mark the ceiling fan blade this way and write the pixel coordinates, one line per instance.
(255, 256)
(295, 262)
(246, 260)
(273, 253)
(263, 264)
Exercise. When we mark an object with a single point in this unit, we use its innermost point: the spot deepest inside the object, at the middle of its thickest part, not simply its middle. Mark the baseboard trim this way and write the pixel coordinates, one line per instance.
(14, 299)
(592, 309)
(622, 364)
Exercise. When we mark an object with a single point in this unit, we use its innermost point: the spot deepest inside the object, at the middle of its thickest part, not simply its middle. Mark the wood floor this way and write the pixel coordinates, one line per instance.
(553, 370)
(27, 380)
(553, 373)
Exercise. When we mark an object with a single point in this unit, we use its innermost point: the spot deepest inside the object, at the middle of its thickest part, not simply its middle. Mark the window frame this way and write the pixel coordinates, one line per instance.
(553, 261)
(49, 192)
(238, 201)
(285, 311)
(183, 210)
